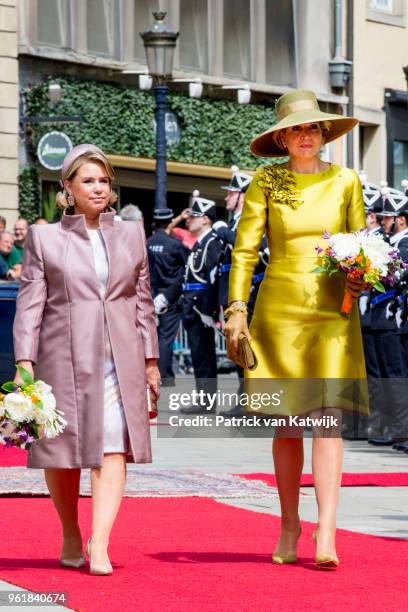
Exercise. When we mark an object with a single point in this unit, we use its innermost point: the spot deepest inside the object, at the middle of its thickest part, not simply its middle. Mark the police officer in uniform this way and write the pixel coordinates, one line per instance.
(390, 420)
(234, 201)
(167, 260)
(399, 240)
(199, 299)
(355, 426)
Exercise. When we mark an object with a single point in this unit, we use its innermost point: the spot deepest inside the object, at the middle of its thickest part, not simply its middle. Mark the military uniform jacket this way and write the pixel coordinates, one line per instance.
(401, 243)
(200, 280)
(228, 235)
(167, 260)
(364, 301)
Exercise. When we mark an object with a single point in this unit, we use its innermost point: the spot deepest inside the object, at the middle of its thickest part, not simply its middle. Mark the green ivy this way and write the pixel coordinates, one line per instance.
(29, 194)
(119, 119)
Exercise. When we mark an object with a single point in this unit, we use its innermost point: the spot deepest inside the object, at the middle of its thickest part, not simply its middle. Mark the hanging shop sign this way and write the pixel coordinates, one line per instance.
(52, 149)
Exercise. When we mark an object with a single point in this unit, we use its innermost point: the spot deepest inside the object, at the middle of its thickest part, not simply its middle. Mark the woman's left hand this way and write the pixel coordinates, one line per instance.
(153, 376)
(355, 286)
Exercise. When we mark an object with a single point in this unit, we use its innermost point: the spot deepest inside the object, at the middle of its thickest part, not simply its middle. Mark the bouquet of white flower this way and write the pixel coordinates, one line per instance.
(28, 412)
(360, 255)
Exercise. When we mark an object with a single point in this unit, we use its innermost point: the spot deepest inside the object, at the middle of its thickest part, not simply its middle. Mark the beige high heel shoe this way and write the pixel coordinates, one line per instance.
(325, 560)
(94, 569)
(282, 559)
(76, 563)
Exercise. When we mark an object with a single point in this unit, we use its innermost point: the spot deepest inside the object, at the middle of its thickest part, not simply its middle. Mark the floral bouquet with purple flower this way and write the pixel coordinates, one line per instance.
(28, 412)
(360, 255)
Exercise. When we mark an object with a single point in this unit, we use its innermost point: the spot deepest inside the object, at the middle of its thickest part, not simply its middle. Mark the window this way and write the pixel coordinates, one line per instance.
(387, 6)
(103, 27)
(280, 43)
(237, 38)
(400, 162)
(390, 12)
(194, 35)
(53, 23)
(143, 19)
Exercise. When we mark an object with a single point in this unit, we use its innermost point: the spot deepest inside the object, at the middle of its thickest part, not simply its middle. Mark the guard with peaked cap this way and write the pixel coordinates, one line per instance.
(391, 420)
(167, 261)
(199, 298)
(393, 200)
(373, 205)
(400, 305)
(234, 201)
(355, 426)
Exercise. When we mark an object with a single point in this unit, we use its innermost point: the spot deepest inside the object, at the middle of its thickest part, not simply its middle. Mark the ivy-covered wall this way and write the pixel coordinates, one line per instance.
(29, 194)
(119, 119)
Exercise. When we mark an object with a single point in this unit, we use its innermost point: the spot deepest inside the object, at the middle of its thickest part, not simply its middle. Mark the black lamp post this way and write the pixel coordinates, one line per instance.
(160, 42)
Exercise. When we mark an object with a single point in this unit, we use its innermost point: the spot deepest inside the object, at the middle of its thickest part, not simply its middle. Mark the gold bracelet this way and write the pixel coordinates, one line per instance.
(235, 307)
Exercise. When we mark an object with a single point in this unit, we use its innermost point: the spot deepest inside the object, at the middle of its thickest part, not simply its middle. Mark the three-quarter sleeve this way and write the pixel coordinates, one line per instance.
(145, 318)
(356, 219)
(31, 299)
(245, 254)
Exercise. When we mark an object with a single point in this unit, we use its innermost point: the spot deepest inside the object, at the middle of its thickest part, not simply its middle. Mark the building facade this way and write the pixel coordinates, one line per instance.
(8, 110)
(380, 89)
(261, 46)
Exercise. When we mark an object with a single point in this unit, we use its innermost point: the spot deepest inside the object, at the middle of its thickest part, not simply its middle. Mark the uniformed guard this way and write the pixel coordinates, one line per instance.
(373, 205)
(199, 299)
(399, 240)
(391, 419)
(167, 260)
(355, 426)
(234, 201)
(227, 233)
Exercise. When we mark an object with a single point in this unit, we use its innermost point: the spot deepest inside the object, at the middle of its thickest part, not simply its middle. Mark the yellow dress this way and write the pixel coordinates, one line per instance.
(297, 330)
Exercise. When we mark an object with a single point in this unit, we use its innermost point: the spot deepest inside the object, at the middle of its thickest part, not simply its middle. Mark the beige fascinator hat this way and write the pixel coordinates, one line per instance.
(295, 108)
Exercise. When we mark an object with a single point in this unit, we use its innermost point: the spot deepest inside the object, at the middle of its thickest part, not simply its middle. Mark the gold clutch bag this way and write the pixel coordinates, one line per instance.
(245, 357)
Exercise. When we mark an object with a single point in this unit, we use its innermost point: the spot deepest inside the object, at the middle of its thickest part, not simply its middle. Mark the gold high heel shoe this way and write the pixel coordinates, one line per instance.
(325, 560)
(281, 559)
(94, 569)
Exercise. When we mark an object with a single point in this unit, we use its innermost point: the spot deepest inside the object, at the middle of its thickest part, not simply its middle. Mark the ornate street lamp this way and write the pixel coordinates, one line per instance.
(159, 42)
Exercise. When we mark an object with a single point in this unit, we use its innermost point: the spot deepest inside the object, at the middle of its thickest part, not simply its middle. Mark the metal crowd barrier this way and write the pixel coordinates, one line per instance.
(182, 351)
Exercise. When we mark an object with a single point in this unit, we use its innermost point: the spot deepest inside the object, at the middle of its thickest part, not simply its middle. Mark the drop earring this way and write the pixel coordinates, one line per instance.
(71, 200)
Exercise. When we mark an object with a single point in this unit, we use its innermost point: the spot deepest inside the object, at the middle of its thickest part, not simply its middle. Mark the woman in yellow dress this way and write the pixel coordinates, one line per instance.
(297, 330)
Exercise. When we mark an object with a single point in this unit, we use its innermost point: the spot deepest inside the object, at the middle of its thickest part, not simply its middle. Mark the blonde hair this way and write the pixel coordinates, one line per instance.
(277, 136)
(93, 156)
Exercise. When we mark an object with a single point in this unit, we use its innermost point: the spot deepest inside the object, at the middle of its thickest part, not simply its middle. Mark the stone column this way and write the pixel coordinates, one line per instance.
(8, 111)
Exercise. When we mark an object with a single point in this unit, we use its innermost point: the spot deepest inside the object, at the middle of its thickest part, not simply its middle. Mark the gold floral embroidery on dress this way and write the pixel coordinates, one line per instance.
(279, 184)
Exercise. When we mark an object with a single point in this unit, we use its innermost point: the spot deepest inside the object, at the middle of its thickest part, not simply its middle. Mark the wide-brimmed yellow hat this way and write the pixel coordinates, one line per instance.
(295, 108)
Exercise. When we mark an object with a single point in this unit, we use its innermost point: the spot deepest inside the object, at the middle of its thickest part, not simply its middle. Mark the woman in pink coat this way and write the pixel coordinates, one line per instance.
(85, 324)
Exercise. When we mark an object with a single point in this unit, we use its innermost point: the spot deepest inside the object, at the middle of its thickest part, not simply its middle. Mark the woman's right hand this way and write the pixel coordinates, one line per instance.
(27, 365)
(236, 324)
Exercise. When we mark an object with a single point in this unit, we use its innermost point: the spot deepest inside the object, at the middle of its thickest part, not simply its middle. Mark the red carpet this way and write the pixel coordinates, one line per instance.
(390, 479)
(196, 554)
(11, 457)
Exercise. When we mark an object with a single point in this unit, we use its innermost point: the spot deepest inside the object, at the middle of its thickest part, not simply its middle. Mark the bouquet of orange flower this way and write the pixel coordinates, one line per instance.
(360, 255)
(28, 412)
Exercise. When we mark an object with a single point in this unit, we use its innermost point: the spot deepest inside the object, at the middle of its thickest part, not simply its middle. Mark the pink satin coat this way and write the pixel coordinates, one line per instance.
(59, 325)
